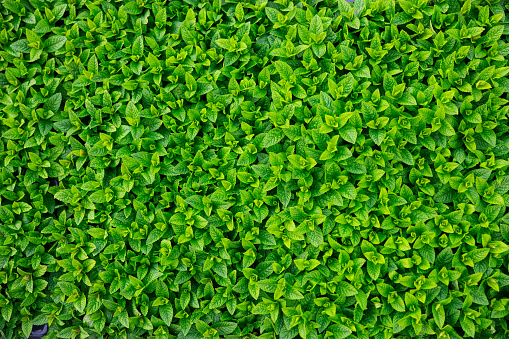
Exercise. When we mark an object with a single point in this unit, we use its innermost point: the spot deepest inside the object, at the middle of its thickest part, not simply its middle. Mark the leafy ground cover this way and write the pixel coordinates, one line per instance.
(312, 169)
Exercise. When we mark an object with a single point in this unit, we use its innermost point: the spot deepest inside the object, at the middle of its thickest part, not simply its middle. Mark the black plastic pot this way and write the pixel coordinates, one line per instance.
(39, 331)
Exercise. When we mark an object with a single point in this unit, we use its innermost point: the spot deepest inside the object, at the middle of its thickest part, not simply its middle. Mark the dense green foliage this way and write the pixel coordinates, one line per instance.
(248, 168)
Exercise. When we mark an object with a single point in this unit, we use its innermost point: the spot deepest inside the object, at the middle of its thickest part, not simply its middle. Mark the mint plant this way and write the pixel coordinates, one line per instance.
(255, 169)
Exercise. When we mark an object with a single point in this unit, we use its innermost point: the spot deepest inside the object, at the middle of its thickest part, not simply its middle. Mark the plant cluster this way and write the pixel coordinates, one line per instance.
(254, 169)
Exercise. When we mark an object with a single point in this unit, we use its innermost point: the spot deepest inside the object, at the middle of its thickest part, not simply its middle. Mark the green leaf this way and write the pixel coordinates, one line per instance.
(166, 313)
(54, 43)
(154, 236)
(439, 314)
(446, 194)
(26, 326)
(284, 70)
(67, 288)
(407, 157)
(348, 133)
(315, 237)
(131, 111)
(444, 258)
(6, 215)
(479, 297)
(468, 326)
(217, 301)
(490, 137)
(21, 46)
(479, 254)
(339, 331)
(373, 270)
(97, 233)
(7, 311)
(273, 137)
(504, 230)
(272, 14)
(239, 12)
(378, 135)
(64, 196)
(98, 197)
(138, 46)
(53, 103)
(346, 289)
(401, 19)
(224, 327)
(123, 318)
(316, 26)
(502, 187)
